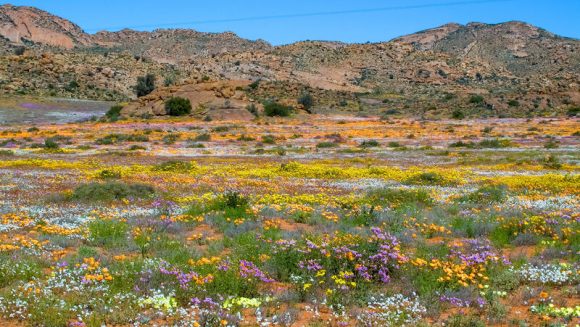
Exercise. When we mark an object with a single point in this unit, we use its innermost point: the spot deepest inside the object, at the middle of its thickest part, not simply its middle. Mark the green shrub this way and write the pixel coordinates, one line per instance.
(110, 191)
(306, 100)
(369, 144)
(273, 109)
(457, 114)
(174, 166)
(427, 178)
(495, 143)
(477, 99)
(573, 112)
(399, 197)
(552, 162)
(487, 194)
(114, 113)
(323, 145)
(145, 85)
(50, 144)
(205, 137)
(268, 139)
(177, 106)
(513, 103)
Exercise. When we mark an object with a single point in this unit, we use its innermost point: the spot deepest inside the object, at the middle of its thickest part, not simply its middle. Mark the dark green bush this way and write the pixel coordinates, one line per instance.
(145, 85)
(114, 113)
(110, 191)
(399, 197)
(177, 106)
(369, 144)
(306, 100)
(273, 109)
(487, 194)
(457, 114)
(477, 99)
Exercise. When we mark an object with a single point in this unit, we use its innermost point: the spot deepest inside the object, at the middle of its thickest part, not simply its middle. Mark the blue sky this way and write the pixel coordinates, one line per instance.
(280, 22)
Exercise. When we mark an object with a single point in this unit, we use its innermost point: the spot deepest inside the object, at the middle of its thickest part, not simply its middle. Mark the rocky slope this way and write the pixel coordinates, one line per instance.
(506, 69)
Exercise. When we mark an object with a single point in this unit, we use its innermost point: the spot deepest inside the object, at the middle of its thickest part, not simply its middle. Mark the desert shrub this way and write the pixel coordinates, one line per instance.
(394, 144)
(462, 320)
(427, 178)
(487, 194)
(573, 112)
(110, 191)
(175, 166)
(495, 143)
(177, 106)
(551, 144)
(552, 162)
(109, 174)
(306, 100)
(369, 144)
(513, 103)
(170, 138)
(268, 139)
(457, 114)
(399, 197)
(19, 51)
(253, 109)
(477, 99)
(6, 153)
(50, 144)
(119, 138)
(202, 137)
(114, 112)
(145, 85)
(324, 145)
(231, 199)
(273, 109)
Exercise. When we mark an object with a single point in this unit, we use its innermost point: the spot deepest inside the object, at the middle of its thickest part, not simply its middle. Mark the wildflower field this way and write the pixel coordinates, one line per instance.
(304, 221)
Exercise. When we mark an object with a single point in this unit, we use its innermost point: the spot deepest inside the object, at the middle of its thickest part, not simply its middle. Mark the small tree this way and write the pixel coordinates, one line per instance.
(273, 109)
(145, 85)
(457, 114)
(306, 100)
(177, 106)
(477, 99)
(114, 113)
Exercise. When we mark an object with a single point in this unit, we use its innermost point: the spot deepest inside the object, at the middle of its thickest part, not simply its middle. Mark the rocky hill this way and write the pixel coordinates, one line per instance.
(487, 70)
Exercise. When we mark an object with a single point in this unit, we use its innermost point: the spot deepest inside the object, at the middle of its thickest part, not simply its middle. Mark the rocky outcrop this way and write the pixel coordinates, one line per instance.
(215, 99)
(28, 24)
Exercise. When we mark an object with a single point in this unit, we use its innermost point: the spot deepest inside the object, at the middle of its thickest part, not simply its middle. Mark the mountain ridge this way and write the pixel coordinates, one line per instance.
(511, 62)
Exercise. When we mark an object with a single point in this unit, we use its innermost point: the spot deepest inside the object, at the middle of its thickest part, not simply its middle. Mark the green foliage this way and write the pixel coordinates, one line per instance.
(552, 161)
(114, 113)
(268, 139)
(273, 109)
(457, 114)
(50, 144)
(175, 166)
(108, 233)
(177, 106)
(427, 178)
(145, 85)
(306, 100)
(110, 191)
(399, 197)
(369, 144)
(324, 145)
(487, 194)
(476, 99)
(513, 103)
